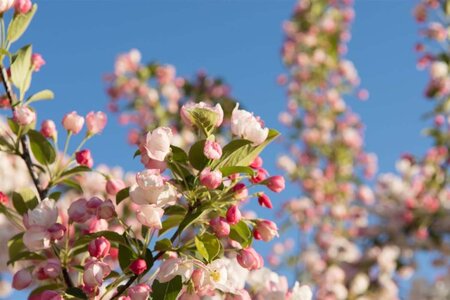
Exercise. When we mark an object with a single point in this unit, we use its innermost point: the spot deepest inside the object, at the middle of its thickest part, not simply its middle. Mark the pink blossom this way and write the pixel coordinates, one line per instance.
(96, 122)
(275, 183)
(22, 279)
(139, 292)
(106, 210)
(138, 266)
(49, 269)
(114, 185)
(6, 5)
(212, 150)
(264, 200)
(265, 230)
(250, 259)
(84, 158)
(186, 110)
(23, 115)
(99, 247)
(36, 59)
(247, 126)
(157, 143)
(150, 216)
(78, 211)
(233, 215)
(220, 226)
(95, 272)
(73, 122)
(210, 179)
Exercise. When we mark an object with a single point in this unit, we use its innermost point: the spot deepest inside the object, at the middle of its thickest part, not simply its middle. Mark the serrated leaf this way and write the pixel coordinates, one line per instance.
(241, 234)
(167, 290)
(21, 69)
(241, 153)
(122, 195)
(208, 245)
(41, 148)
(41, 95)
(19, 24)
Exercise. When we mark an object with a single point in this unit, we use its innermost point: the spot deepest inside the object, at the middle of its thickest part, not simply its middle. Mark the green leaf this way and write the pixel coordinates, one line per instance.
(167, 290)
(163, 245)
(42, 150)
(21, 69)
(126, 257)
(55, 195)
(24, 199)
(73, 185)
(25, 255)
(170, 222)
(122, 195)
(241, 153)
(75, 170)
(19, 24)
(204, 119)
(42, 95)
(241, 234)
(196, 157)
(76, 292)
(4, 144)
(137, 153)
(178, 154)
(13, 126)
(226, 171)
(15, 244)
(175, 210)
(46, 287)
(208, 245)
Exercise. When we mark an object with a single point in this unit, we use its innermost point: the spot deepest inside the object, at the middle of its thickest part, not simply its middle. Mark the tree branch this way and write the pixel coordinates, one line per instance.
(23, 141)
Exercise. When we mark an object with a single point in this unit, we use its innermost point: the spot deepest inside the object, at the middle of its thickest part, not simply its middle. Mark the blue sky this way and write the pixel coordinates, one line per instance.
(238, 40)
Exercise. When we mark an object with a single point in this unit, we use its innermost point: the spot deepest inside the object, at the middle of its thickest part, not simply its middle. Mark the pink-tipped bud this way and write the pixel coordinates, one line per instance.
(96, 122)
(210, 179)
(48, 129)
(220, 227)
(73, 122)
(233, 215)
(240, 191)
(261, 174)
(106, 210)
(50, 295)
(22, 279)
(99, 247)
(37, 60)
(113, 186)
(3, 198)
(138, 266)
(264, 200)
(23, 115)
(22, 6)
(265, 230)
(84, 158)
(250, 259)
(212, 150)
(257, 163)
(275, 183)
(57, 231)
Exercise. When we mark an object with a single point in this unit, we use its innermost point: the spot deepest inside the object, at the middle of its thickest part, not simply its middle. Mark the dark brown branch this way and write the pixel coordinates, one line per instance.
(23, 140)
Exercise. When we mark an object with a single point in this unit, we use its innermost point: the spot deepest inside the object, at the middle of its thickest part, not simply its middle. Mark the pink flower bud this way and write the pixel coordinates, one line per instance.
(139, 292)
(93, 204)
(265, 230)
(48, 269)
(23, 115)
(48, 129)
(212, 150)
(210, 179)
(22, 6)
(96, 122)
(94, 272)
(233, 215)
(138, 266)
(250, 259)
(106, 210)
(22, 279)
(261, 174)
(220, 227)
(264, 200)
(78, 211)
(57, 231)
(257, 163)
(50, 295)
(113, 186)
(73, 122)
(84, 158)
(157, 144)
(99, 247)
(3, 198)
(275, 183)
(240, 191)
(36, 59)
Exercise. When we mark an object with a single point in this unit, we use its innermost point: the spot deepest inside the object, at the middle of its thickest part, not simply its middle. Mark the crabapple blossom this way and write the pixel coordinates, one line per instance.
(73, 122)
(23, 115)
(212, 150)
(138, 266)
(48, 129)
(210, 179)
(96, 122)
